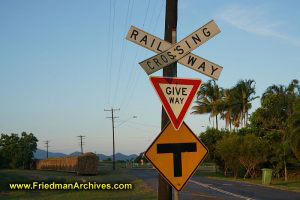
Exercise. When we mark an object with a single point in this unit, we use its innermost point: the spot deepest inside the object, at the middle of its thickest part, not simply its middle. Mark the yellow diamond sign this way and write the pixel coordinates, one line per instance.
(176, 154)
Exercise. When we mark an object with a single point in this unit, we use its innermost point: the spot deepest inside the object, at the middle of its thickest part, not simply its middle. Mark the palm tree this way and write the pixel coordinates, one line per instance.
(209, 100)
(241, 96)
(228, 107)
(289, 94)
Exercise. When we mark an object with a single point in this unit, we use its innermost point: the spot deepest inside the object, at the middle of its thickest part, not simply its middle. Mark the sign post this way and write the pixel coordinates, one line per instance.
(164, 188)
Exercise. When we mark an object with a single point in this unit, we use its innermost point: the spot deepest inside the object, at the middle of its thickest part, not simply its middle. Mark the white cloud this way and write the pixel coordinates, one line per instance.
(254, 20)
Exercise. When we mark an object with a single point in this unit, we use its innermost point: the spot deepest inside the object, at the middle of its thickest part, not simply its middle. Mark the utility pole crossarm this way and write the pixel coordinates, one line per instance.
(111, 117)
(81, 137)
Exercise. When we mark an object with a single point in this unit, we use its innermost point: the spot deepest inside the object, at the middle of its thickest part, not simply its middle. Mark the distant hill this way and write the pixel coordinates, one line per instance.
(118, 156)
(103, 157)
(41, 154)
(76, 153)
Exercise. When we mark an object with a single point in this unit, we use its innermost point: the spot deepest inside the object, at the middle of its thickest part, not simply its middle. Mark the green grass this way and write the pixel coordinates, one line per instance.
(140, 190)
(293, 184)
(109, 164)
(279, 183)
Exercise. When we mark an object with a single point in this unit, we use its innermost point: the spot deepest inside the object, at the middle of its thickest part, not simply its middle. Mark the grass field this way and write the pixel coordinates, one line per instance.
(140, 190)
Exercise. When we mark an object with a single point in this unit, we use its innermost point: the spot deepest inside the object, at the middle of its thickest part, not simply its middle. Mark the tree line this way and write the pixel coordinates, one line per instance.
(268, 138)
(17, 151)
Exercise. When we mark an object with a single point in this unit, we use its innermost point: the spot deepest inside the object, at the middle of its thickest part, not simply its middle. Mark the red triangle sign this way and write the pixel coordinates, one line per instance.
(176, 95)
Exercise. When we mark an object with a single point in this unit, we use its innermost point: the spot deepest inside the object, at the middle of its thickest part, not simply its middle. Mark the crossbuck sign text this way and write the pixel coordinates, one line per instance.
(168, 53)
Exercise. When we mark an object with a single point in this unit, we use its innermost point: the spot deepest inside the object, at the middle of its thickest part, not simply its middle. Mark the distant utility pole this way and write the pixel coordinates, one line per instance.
(47, 146)
(113, 130)
(81, 137)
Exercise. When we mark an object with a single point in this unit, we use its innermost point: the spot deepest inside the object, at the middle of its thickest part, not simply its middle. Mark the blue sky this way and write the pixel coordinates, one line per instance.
(62, 62)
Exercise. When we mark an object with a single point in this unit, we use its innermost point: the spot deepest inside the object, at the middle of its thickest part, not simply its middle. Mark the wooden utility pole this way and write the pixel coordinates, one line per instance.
(113, 130)
(81, 144)
(47, 146)
(164, 189)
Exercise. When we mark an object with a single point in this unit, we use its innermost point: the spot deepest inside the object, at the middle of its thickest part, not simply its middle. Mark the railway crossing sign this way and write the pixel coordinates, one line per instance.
(169, 53)
(176, 154)
(176, 95)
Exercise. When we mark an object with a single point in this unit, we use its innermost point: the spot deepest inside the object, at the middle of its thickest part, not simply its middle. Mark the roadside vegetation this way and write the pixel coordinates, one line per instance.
(268, 138)
(17, 151)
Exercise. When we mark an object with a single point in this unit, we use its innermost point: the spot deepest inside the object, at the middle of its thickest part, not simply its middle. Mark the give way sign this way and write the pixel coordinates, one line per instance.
(176, 95)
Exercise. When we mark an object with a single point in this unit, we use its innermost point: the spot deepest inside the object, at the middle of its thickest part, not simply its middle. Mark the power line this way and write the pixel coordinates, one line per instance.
(144, 124)
(131, 71)
(81, 144)
(146, 12)
(124, 121)
(161, 8)
(130, 12)
(151, 18)
(124, 45)
(142, 130)
(135, 81)
(132, 77)
(111, 50)
(113, 131)
(108, 56)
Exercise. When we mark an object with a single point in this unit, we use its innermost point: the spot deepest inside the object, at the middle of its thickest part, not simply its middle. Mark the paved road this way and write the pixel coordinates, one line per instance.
(211, 189)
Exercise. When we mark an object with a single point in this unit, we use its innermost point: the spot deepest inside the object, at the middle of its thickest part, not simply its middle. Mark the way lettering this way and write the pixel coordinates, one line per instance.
(182, 48)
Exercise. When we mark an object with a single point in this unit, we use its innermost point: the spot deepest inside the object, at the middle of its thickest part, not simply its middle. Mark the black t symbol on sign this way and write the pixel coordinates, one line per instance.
(177, 149)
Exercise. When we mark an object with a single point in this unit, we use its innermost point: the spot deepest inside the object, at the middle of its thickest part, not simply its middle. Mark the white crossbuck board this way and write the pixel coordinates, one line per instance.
(171, 53)
(182, 48)
(158, 45)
